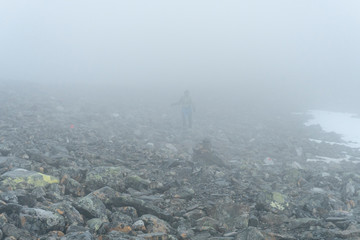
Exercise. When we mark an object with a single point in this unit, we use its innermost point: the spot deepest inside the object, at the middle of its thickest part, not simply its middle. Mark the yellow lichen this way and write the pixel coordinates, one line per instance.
(35, 180)
(277, 205)
(278, 197)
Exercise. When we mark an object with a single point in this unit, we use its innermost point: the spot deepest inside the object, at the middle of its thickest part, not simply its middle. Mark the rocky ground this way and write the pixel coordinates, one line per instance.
(74, 167)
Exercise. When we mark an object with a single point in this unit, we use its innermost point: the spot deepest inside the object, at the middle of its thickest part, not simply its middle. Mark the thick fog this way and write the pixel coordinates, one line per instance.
(296, 54)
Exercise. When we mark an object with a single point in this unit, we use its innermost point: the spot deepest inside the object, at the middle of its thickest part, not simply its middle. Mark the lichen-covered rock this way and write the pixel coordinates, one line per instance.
(106, 194)
(4, 219)
(139, 225)
(154, 236)
(24, 179)
(91, 207)
(106, 176)
(78, 235)
(120, 227)
(272, 200)
(53, 235)
(94, 224)
(70, 214)
(209, 224)
(116, 235)
(155, 225)
(9, 163)
(129, 211)
(251, 233)
(11, 230)
(121, 217)
(303, 223)
(41, 221)
(137, 182)
(72, 186)
(141, 206)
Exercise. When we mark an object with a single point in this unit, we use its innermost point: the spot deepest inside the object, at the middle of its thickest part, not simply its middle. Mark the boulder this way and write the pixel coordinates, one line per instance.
(24, 179)
(91, 207)
(155, 225)
(99, 177)
(40, 221)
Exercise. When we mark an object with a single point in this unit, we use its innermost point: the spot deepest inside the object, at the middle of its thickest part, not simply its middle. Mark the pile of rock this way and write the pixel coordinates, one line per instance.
(68, 173)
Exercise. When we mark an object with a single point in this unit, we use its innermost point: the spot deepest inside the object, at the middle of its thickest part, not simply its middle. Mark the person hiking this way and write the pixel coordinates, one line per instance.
(187, 108)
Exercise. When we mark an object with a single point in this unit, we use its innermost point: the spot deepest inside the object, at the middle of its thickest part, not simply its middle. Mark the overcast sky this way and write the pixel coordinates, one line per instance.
(303, 46)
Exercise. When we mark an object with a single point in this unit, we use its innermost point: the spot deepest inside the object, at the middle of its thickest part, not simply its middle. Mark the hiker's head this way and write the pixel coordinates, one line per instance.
(187, 93)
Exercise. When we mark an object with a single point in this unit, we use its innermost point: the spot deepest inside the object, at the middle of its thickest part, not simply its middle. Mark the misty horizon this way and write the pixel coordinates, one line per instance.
(302, 54)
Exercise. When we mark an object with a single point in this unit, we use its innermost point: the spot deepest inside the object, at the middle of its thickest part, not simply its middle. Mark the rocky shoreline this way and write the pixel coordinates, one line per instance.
(81, 170)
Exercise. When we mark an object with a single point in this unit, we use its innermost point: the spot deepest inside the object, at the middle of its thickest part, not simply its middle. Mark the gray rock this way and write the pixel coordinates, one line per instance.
(253, 221)
(70, 214)
(251, 233)
(91, 207)
(9, 163)
(11, 230)
(94, 224)
(78, 235)
(24, 179)
(99, 177)
(40, 221)
(156, 225)
(303, 223)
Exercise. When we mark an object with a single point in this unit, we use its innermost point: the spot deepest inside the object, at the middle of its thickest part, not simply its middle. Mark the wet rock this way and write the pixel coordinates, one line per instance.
(24, 179)
(40, 221)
